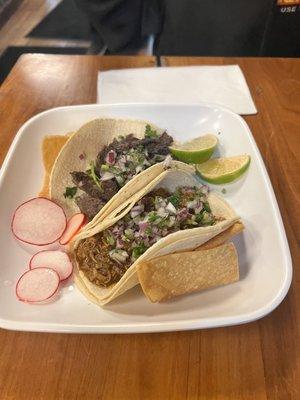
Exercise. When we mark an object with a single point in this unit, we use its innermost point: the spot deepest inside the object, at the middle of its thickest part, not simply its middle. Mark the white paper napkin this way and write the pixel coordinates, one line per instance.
(223, 85)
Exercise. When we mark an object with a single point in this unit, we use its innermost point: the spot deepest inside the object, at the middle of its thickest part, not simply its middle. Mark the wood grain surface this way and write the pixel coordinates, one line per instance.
(260, 360)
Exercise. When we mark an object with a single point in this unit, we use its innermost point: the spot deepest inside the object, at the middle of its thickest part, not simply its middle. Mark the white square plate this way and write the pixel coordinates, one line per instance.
(264, 257)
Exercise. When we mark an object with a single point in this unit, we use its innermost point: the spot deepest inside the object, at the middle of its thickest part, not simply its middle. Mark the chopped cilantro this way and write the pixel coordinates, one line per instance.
(224, 191)
(148, 231)
(110, 240)
(104, 167)
(175, 200)
(149, 132)
(70, 192)
(92, 173)
(206, 207)
(129, 234)
(152, 216)
(207, 219)
(138, 250)
(163, 223)
(199, 217)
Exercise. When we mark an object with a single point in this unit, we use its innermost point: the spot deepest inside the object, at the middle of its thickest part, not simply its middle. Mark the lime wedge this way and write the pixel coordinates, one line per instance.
(223, 170)
(195, 151)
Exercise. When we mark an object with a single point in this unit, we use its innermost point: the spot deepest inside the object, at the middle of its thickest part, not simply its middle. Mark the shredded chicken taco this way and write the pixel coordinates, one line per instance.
(173, 213)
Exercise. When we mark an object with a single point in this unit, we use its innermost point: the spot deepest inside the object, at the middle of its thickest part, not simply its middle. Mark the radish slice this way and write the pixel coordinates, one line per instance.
(73, 226)
(59, 261)
(39, 221)
(37, 285)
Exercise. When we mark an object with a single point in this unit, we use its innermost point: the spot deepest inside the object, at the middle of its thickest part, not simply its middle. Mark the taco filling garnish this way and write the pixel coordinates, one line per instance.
(115, 165)
(105, 257)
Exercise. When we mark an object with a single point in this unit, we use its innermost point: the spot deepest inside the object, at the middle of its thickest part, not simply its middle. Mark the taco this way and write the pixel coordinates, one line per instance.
(107, 161)
(173, 213)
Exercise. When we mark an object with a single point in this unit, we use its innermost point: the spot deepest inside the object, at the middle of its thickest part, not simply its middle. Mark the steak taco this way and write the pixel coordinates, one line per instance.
(107, 161)
(173, 213)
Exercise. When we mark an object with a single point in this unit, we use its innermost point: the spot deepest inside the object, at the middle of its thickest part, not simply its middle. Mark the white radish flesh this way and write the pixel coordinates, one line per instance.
(37, 285)
(59, 261)
(39, 221)
(73, 226)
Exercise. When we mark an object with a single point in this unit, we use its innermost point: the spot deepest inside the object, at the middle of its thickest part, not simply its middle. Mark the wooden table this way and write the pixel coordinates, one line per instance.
(260, 360)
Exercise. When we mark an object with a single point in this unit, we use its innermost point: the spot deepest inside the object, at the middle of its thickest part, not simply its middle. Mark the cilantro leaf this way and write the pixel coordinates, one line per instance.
(138, 250)
(149, 132)
(70, 192)
(92, 173)
(175, 200)
(207, 207)
(152, 216)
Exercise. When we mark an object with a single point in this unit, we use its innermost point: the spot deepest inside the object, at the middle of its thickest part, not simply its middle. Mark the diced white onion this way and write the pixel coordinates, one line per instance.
(118, 255)
(136, 210)
(192, 204)
(161, 212)
(170, 207)
(167, 162)
(139, 169)
(107, 176)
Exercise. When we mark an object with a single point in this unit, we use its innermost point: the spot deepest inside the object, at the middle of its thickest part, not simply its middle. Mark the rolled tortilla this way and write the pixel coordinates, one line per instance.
(180, 273)
(182, 240)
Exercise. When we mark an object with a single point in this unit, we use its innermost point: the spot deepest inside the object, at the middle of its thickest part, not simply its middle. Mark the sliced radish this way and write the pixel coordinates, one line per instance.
(73, 226)
(37, 285)
(59, 261)
(39, 221)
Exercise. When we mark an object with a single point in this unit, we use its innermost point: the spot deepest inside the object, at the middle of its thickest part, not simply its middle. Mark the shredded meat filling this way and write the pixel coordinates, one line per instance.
(105, 257)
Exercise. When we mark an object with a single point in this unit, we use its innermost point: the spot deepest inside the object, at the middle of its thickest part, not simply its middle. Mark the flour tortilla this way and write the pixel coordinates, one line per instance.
(183, 240)
(88, 141)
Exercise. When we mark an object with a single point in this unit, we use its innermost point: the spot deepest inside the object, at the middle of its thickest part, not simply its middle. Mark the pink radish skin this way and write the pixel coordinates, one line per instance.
(37, 285)
(39, 222)
(73, 226)
(58, 260)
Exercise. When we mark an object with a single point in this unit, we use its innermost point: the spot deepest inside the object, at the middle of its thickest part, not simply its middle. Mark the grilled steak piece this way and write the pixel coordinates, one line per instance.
(146, 152)
(158, 145)
(90, 206)
(110, 188)
(118, 146)
(84, 182)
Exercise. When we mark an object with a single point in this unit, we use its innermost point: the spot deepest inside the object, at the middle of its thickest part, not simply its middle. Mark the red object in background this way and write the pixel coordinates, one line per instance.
(288, 2)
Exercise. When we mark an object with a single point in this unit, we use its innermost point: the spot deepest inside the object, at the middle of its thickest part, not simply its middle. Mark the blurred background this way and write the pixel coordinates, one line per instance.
(265, 28)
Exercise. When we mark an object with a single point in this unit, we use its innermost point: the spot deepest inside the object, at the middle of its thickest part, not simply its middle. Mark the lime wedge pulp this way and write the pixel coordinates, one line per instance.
(195, 151)
(223, 170)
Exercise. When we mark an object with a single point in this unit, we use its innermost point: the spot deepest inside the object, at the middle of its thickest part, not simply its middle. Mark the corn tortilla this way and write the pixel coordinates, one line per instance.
(180, 273)
(51, 147)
